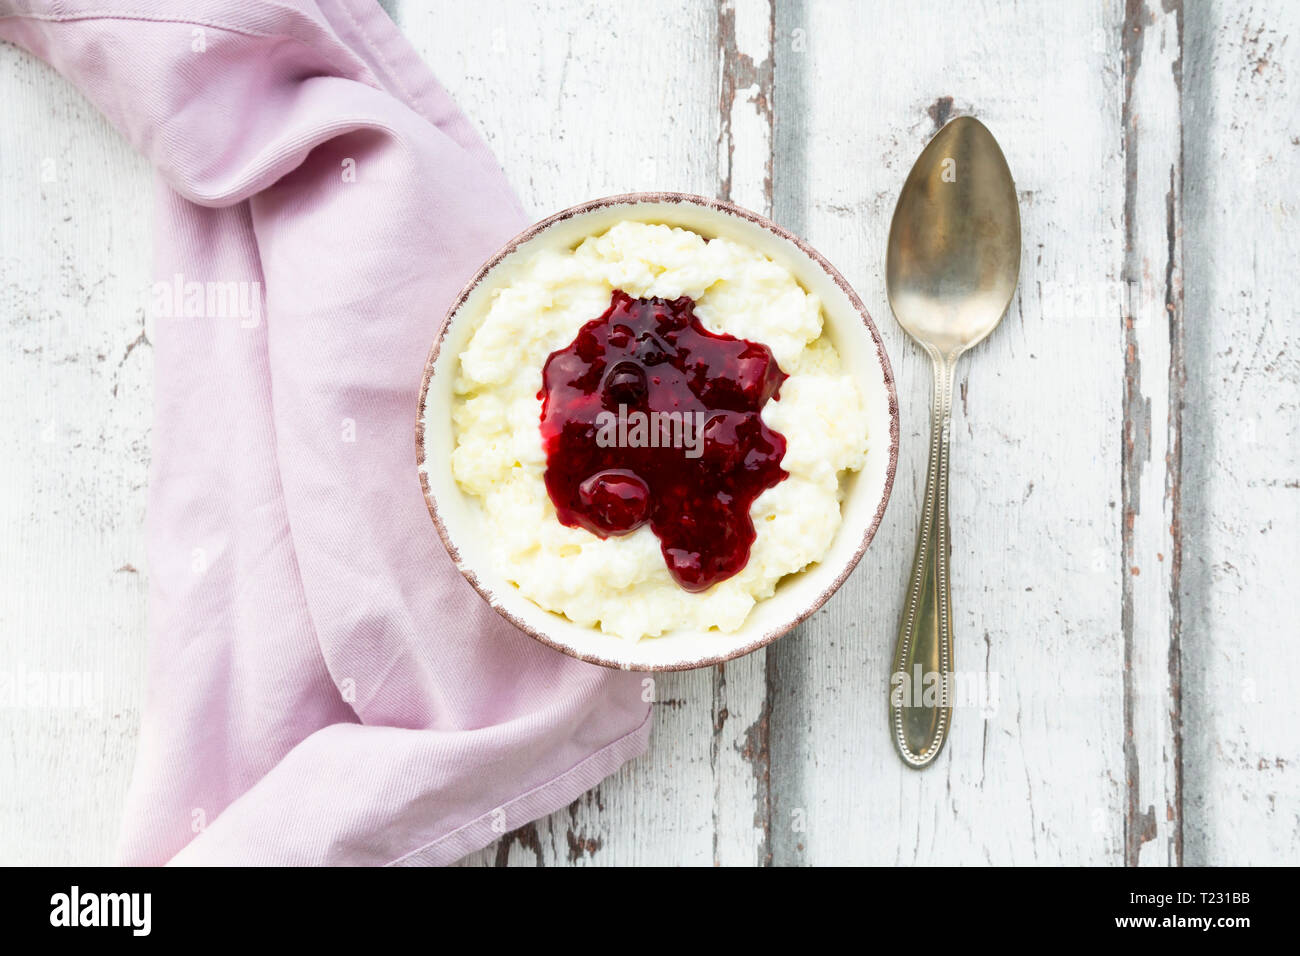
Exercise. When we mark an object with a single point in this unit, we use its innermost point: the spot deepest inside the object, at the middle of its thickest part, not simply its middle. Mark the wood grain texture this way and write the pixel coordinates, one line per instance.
(1241, 454)
(1037, 777)
(76, 371)
(1124, 490)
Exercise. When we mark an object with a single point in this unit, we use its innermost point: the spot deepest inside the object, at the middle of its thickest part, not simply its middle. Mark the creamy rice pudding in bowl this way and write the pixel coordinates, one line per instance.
(657, 431)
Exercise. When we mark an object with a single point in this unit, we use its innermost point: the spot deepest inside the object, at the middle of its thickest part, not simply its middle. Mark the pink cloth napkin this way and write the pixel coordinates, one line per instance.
(323, 688)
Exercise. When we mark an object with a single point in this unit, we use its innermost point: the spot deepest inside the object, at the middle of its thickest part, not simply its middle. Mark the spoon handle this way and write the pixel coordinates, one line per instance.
(920, 687)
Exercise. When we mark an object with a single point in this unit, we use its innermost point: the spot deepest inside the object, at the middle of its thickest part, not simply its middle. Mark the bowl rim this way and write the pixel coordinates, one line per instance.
(636, 199)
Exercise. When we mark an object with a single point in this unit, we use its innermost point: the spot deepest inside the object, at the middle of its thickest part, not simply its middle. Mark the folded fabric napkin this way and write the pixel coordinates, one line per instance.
(323, 687)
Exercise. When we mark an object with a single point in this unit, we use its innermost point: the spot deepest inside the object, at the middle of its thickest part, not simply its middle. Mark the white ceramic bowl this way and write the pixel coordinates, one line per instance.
(458, 516)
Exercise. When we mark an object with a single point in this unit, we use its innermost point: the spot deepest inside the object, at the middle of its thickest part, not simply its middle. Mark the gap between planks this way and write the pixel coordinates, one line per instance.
(1151, 444)
(746, 43)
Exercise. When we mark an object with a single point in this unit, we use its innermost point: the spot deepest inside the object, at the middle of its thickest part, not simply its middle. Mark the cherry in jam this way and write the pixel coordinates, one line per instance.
(649, 417)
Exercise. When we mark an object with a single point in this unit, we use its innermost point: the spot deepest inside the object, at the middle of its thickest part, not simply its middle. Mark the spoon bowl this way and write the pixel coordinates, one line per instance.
(953, 258)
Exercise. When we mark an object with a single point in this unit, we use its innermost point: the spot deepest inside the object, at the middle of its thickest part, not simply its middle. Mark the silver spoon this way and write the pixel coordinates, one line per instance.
(951, 269)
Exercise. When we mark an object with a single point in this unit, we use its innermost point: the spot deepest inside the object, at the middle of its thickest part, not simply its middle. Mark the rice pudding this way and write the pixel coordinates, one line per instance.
(656, 429)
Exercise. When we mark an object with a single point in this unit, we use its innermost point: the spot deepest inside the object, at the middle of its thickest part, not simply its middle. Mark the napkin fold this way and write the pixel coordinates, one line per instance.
(323, 686)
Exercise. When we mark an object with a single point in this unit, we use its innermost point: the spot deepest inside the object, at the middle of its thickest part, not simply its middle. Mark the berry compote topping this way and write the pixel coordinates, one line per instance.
(649, 417)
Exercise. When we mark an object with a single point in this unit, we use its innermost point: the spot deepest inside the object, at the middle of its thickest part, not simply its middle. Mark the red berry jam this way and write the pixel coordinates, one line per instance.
(649, 417)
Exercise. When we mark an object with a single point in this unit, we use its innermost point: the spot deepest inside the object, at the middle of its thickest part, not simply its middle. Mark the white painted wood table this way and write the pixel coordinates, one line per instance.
(1125, 486)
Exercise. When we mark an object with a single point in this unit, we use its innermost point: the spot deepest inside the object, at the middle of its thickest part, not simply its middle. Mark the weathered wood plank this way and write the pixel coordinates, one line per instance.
(76, 385)
(1241, 456)
(742, 773)
(584, 99)
(1035, 472)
